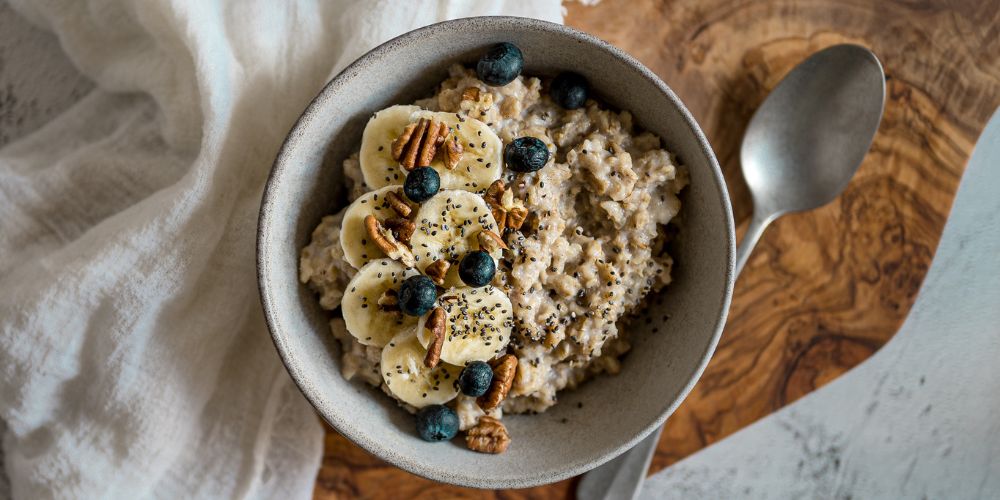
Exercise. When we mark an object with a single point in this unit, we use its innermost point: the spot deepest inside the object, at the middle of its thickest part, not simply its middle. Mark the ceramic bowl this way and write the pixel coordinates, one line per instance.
(590, 425)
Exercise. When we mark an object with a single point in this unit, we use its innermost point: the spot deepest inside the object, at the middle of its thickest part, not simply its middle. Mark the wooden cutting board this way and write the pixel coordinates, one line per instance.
(825, 289)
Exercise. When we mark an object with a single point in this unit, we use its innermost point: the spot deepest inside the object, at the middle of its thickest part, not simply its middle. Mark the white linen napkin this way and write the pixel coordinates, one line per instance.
(134, 360)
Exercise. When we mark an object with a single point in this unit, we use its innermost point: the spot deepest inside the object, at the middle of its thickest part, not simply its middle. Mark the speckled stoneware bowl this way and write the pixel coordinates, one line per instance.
(671, 348)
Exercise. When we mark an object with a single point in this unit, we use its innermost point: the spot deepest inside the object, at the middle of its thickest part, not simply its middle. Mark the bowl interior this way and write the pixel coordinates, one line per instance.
(671, 342)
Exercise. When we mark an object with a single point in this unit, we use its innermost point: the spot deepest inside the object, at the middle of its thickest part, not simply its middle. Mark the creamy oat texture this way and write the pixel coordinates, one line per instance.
(590, 251)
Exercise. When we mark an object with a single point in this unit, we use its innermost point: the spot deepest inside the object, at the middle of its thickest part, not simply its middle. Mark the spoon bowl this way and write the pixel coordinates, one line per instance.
(808, 138)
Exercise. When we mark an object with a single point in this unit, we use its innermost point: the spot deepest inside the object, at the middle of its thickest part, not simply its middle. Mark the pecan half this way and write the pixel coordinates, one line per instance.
(402, 228)
(388, 243)
(516, 217)
(488, 436)
(499, 214)
(399, 145)
(452, 152)
(389, 301)
(409, 158)
(503, 377)
(495, 192)
(437, 271)
(430, 144)
(490, 241)
(435, 323)
(398, 204)
(418, 144)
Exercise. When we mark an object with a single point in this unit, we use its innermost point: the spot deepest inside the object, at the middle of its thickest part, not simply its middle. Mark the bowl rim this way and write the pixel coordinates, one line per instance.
(344, 426)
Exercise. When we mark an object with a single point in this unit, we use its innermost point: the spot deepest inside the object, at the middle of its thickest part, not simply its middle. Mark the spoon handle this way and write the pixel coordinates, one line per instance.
(622, 477)
(756, 228)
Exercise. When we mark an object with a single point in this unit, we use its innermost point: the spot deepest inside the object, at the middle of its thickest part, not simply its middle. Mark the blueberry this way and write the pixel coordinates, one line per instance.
(417, 295)
(526, 154)
(500, 65)
(475, 378)
(421, 184)
(437, 423)
(569, 90)
(477, 268)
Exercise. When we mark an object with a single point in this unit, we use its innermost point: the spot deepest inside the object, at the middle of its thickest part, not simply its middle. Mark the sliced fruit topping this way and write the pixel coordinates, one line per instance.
(448, 226)
(477, 327)
(377, 164)
(355, 233)
(409, 380)
(480, 161)
(465, 152)
(369, 312)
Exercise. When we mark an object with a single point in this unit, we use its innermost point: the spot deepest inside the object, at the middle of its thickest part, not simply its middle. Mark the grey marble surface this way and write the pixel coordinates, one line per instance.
(919, 419)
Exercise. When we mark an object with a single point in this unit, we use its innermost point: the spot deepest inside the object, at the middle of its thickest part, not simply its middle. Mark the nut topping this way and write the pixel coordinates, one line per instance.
(398, 204)
(452, 152)
(389, 301)
(495, 192)
(488, 436)
(499, 214)
(418, 144)
(402, 228)
(428, 149)
(490, 241)
(437, 271)
(503, 377)
(409, 158)
(507, 200)
(516, 217)
(388, 243)
(399, 145)
(435, 323)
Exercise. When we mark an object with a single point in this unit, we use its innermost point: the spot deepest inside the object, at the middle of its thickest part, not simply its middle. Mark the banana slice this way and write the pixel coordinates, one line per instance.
(377, 165)
(448, 226)
(409, 380)
(478, 327)
(358, 246)
(365, 320)
(482, 153)
(481, 160)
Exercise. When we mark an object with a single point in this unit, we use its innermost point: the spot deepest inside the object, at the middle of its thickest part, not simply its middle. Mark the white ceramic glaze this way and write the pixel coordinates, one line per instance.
(306, 184)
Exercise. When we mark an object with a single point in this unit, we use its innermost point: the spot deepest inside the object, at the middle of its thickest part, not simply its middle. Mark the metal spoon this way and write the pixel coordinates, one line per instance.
(801, 148)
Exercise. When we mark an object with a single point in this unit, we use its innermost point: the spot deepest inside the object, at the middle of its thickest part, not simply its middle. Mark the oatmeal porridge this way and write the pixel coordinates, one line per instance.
(500, 234)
